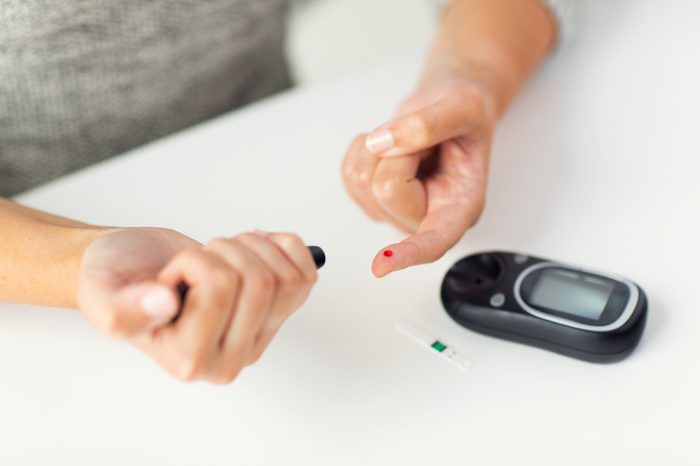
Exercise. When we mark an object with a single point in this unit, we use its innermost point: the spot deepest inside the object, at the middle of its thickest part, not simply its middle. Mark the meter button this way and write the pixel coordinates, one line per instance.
(520, 259)
(497, 300)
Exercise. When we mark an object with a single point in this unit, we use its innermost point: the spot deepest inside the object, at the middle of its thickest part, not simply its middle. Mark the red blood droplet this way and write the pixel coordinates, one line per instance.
(388, 253)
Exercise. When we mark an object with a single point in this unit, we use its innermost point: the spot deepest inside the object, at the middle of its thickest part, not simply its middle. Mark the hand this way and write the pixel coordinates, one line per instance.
(241, 290)
(425, 172)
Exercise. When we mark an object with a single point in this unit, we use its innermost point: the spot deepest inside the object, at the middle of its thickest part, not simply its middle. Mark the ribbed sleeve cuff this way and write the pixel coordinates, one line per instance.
(566, 13)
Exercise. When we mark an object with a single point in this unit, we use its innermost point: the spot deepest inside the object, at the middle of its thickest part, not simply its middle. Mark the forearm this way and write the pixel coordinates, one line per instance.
(493, 43)
(40, 255)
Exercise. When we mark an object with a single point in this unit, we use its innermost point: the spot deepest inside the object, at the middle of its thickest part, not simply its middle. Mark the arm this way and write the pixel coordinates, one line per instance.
(494, 43)
(426, 171)
(40, 256)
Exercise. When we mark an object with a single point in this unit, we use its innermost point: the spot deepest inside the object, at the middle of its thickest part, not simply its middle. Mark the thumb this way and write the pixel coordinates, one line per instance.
(421, 248)
(441, 229)
(456, 113)
(142, 307)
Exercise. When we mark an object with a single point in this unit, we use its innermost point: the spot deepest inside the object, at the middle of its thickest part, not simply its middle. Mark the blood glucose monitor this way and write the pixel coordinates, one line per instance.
(585, 314)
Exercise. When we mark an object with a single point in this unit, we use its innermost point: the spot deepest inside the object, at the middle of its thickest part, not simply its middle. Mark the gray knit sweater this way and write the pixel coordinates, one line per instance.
(83, 80)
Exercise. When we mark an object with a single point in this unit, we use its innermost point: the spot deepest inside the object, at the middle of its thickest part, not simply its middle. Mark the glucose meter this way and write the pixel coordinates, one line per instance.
(590, 315)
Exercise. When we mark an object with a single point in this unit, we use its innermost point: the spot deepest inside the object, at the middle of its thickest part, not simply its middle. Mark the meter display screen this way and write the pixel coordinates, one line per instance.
(571, 293)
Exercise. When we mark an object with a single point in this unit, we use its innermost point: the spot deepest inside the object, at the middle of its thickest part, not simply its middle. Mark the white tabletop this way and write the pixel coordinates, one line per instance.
(596, 164)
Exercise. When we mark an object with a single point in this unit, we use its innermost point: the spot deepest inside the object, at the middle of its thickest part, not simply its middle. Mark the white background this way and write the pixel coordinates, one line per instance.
(596, 163)
(331, 37)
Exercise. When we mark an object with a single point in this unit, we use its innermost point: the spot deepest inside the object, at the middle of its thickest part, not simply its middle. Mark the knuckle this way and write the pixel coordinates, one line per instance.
(231, 369)
(309, 278)
(185, 373)
(191, 366)
(223, 279)
(348, 169)
(291, 279)
(189, 257)
(217, 244)
(386, 187)
(225, 377)
(245, 237)
(419, 128)
(261, 278)
(229, 374)
(256, 356)
(361, 178)
(281, 316)
(313, 278)
(175, 373)
(191, 254)
(277, 318)
(236, 351)
(290, 240)
(355, 177)
(112, 325)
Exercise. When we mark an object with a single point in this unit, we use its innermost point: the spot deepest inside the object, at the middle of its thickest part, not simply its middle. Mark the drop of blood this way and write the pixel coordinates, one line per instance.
(388, 253)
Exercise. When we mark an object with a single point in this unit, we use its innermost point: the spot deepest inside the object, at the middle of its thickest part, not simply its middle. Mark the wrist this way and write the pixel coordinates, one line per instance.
(40, 255)
(68, 259)
(493, 81)
(493, 44)
(48, 265)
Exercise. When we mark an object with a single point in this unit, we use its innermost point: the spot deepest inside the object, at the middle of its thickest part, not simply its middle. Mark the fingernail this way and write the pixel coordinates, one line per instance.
(380, 141)
(262, 233)
(158, 304)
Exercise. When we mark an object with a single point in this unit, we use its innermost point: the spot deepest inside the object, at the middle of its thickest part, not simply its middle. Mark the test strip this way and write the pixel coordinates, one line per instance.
(434, 344)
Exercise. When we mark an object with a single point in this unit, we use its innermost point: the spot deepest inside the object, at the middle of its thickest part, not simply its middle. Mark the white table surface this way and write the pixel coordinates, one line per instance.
(596, 163)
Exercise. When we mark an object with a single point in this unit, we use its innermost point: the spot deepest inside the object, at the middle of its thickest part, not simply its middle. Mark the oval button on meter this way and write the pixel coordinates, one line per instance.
(498, 300)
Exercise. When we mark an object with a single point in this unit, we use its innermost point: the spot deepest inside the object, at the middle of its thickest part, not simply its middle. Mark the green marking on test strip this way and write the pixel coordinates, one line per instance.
(439, 346)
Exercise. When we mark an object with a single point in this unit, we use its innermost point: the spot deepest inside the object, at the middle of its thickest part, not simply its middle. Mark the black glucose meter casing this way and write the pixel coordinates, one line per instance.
(593, 316)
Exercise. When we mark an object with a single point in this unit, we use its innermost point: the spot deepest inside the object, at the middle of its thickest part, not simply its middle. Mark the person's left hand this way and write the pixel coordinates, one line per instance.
(425, 172)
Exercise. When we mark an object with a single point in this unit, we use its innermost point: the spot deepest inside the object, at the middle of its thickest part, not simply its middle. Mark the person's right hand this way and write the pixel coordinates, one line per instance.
(241, 290)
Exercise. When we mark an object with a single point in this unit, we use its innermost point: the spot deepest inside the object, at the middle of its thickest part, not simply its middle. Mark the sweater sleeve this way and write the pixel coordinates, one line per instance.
(566, 14)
